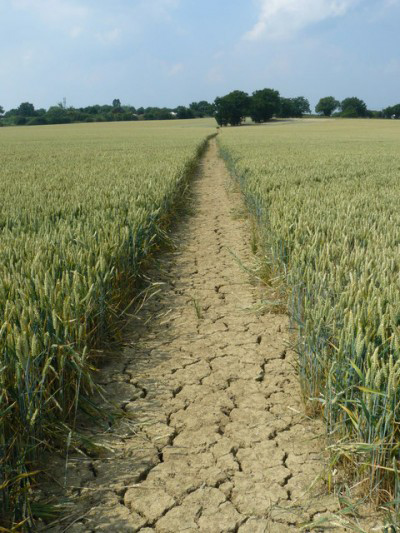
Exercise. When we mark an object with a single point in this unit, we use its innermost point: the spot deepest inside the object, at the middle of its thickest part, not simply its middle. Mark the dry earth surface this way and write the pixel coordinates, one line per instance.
(217, 440)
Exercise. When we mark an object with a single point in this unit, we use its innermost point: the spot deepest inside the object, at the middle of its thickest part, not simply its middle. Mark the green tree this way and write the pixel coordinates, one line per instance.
(264, 104)
(202, 109)
(232, 108)
(57, 115)
(388, 112)
(36, 121)
(1, 111)
(129, 109)
(26, 110)
(373, 113)
(116, 106)
(157, 113)
(94, 109)
(183, 112)
(301, 106)
(392, 111)
(294, 107)
(353, 107)
(286, 108)
(327, 105)
(396, 111)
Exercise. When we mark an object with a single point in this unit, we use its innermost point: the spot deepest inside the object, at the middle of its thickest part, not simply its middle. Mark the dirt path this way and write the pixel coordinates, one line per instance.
(218, 441)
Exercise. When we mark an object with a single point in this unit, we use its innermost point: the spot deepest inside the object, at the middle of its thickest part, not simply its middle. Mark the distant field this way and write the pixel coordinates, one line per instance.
(80, 207)
(327, 194)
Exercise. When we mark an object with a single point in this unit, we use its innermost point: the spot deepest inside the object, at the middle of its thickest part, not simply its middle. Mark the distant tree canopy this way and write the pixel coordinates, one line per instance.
(294, 107)
(58, 115)
(26, 110)
(391, 111)
(353, 107)
(183, 112)
(232, 109)
(264, 104)
(156, 113)
(327, 105)
(202, 109)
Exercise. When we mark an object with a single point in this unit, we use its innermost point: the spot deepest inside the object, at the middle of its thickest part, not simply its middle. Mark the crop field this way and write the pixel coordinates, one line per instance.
(326, 195)
(83, 206)
(80, 208)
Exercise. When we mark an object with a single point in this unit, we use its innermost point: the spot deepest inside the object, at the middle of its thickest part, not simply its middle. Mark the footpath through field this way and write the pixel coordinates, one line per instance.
(218, 440)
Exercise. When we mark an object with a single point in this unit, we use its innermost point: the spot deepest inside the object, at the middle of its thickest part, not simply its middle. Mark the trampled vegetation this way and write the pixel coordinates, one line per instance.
(326, 196)
(80, 207)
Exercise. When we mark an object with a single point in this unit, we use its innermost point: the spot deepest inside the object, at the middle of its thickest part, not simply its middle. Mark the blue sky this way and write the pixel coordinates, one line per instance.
(172, 52)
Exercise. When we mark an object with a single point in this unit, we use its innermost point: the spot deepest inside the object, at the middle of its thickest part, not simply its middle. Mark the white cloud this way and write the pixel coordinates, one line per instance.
(282, 64)
(280, 19)
(173, 70)
(27, 56)
(219, 55)
(75, 32)
(72, 18)
(392, 67)
(109, 36)
(159, 8)
(53, 10)
(58, 14)
(215, 75)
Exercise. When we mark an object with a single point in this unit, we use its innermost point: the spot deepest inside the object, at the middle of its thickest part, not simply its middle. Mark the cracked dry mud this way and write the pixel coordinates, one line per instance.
(218, 441)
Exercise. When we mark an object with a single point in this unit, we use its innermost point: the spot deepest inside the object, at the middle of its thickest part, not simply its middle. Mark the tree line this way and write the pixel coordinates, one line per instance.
(27, 114)
(353, 107)
(264, 104)
(261, 106)
(231, 109)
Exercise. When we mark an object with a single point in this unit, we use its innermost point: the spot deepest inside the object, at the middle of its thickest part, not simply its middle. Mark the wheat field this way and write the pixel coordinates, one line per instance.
(326, 196)
(81, 207)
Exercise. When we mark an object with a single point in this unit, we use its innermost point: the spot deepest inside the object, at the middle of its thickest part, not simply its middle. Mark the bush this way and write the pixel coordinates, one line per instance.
(36, 121)
(350, 112)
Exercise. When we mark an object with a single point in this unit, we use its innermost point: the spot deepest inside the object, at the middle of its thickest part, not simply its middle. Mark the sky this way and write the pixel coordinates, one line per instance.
(173, 52)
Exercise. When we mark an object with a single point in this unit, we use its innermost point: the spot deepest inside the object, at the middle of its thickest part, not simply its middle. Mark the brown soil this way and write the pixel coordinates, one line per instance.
(218, 440)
